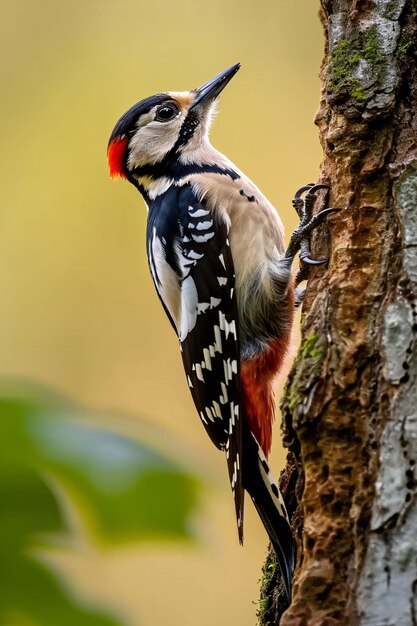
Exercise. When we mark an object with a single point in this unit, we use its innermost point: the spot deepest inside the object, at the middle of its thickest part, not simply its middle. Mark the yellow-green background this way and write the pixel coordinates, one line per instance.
(78, 311)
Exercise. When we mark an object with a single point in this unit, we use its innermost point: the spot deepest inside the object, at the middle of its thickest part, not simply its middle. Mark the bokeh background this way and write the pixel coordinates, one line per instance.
(79, 316)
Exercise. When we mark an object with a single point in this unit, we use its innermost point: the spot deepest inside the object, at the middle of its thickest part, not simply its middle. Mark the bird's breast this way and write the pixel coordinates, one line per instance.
(256, 232)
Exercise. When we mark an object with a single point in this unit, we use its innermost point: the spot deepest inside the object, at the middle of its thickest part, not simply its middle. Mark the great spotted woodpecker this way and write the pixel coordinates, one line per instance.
(218, 261)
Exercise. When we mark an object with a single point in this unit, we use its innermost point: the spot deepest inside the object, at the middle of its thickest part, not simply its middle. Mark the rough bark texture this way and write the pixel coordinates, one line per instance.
(350, 407)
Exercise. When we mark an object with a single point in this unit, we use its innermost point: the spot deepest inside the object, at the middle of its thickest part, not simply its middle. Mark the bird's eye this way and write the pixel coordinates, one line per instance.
(166, 112)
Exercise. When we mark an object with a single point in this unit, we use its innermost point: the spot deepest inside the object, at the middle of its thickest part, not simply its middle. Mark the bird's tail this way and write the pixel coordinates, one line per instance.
(261, 486)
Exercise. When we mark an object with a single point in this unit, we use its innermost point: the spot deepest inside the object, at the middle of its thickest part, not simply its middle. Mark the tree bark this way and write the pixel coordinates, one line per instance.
(350, 405)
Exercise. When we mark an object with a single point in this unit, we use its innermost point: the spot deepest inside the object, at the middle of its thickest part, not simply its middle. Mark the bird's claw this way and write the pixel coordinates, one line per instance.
(300, 191)
(308, 261)
(303, 202)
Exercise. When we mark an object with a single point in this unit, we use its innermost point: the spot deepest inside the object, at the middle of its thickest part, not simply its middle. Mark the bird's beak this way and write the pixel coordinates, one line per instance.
(210, 90)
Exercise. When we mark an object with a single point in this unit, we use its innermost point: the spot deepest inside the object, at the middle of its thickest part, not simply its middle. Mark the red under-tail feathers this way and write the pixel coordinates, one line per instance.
(257, 377)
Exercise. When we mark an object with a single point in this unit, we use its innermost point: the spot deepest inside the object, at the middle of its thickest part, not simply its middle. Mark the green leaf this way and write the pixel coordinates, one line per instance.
(121, 488)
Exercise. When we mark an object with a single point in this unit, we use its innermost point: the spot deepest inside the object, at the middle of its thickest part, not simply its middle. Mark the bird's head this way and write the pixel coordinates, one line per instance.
(165, 128)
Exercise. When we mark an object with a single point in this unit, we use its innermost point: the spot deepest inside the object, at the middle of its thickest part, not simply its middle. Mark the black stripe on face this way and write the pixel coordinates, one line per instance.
(188, 129)
(127, 123)
(170, 165)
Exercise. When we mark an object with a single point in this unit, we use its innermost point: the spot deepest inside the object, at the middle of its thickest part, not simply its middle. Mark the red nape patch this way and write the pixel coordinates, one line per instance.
(115, 157)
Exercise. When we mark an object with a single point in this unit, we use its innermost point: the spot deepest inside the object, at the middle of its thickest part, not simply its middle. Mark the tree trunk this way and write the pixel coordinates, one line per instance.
(350, 405)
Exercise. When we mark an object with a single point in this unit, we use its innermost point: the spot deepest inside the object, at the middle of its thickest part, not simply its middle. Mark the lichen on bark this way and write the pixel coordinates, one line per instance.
(390, 566)
(350, 406)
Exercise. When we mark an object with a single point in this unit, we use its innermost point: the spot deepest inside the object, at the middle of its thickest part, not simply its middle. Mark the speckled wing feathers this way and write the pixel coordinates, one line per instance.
(210, 349)
(205, 315)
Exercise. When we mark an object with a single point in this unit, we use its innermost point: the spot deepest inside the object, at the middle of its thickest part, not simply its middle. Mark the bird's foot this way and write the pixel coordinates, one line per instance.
(303, 202)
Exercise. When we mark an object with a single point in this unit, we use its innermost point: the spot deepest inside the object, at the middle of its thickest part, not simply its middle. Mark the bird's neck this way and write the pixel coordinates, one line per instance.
(154, 179)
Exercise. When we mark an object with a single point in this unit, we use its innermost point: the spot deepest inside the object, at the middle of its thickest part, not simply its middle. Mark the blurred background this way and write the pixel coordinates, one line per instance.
(93, 397)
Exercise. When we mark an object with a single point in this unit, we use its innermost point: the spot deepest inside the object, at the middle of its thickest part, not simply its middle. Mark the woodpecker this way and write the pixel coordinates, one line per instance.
(218, 260)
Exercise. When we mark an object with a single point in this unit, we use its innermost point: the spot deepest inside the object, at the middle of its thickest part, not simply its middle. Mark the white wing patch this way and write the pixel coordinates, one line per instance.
(165, 279)
(181, 296)
(204, 225)
(203, 238)
(198, 212)
(227, 327)
(189, 305)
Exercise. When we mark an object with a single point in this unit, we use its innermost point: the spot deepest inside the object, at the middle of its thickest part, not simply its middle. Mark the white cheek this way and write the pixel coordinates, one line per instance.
(152, 142)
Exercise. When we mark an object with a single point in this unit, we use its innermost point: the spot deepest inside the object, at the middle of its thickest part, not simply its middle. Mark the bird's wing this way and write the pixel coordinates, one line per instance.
(208, 331)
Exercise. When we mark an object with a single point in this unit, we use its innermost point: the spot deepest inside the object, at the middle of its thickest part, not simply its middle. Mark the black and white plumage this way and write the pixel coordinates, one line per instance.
(192, 268)
(218, 260)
